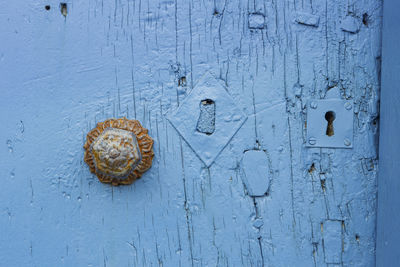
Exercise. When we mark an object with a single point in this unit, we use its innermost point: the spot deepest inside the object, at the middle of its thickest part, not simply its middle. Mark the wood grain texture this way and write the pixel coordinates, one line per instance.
(62, 71)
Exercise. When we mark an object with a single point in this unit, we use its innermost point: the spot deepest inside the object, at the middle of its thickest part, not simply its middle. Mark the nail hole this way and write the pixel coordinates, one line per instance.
(47, 7)
(365, 19)
(330, 116)
(182, 81)
(64, 9)
(375, 121)
(323, 184)
(312, 168)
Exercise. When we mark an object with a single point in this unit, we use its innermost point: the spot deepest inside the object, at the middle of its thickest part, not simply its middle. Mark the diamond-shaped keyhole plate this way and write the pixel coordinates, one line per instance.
(342, 124)
(206, 141)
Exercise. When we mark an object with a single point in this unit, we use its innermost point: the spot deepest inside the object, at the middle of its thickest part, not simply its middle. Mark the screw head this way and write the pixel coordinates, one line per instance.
(348, 106)
(312, 141)
(313, 105)
(347, 142)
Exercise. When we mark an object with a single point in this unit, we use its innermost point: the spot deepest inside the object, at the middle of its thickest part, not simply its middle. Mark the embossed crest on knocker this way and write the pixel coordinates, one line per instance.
(118, 151)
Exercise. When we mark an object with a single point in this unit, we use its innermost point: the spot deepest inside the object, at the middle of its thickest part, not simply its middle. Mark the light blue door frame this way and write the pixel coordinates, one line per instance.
(243, 188)
(388, 235)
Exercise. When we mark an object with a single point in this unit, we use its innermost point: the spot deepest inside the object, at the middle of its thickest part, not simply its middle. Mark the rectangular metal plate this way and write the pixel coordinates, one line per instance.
(342, 124)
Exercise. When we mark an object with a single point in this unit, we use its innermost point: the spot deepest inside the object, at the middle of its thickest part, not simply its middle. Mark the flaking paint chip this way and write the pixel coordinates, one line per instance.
(255, 175)
(256, 21)
(307, 19)
(350, 24)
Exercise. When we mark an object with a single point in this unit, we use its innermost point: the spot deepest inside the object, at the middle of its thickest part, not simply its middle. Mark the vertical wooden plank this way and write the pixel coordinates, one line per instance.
(64, 69)
(388, 236)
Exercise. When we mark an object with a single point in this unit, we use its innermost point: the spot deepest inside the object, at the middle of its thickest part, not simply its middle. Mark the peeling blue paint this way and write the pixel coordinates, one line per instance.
(60, 74)
(256, 172)
(332, 241)
(307, 19)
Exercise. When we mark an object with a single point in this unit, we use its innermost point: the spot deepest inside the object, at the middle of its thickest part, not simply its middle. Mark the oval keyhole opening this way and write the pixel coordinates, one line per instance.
(330, 116)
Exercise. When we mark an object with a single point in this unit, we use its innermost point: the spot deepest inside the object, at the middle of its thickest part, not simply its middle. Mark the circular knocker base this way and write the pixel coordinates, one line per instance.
(118, 151)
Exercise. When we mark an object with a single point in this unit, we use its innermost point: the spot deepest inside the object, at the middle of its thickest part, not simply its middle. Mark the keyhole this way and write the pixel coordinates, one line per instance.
(330, 117)
(206, 121)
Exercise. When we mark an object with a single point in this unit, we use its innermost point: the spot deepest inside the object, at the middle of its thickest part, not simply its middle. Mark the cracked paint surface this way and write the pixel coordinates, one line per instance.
(60, 75)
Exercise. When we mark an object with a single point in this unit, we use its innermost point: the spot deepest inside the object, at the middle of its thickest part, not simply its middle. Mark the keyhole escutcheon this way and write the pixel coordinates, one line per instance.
(330, 116)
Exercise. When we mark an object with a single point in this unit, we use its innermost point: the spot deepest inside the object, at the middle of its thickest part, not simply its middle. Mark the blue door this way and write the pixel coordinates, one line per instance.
(263, 116)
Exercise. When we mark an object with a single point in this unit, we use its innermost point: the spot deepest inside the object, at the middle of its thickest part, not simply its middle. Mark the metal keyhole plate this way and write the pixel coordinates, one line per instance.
(207, 118)
(340, 133)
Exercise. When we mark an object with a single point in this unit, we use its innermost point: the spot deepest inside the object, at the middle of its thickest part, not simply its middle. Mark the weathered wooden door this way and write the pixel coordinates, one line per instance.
(246, 187)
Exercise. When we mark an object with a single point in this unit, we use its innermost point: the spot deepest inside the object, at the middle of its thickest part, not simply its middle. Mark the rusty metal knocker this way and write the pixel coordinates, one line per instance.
(118, 151)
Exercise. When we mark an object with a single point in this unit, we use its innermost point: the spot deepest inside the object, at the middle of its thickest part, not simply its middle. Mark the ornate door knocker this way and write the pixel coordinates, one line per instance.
(118, 151)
